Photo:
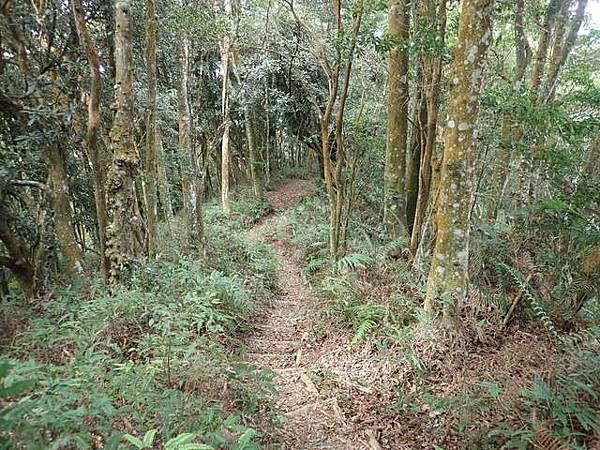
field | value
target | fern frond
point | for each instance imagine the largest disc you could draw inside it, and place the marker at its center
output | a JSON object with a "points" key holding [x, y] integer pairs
{"points": [[537, 304], [354, 261]]}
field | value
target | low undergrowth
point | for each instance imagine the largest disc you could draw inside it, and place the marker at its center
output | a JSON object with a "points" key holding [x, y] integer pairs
{"points": [[91, 367], [527, 381]]}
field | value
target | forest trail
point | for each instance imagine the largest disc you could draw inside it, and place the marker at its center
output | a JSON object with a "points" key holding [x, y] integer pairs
{"points": [[310, 419]]}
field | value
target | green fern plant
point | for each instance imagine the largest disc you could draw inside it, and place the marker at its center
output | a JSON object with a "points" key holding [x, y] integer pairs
{"points": [[354, 261], [180, 442], [536, 303]]}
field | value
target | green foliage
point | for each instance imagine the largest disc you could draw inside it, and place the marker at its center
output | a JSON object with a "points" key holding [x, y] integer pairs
{"points": [[181, 442], [151, 355]]}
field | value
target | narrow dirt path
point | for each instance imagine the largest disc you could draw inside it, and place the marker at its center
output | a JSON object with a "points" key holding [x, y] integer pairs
{"points": [[311, 420]]}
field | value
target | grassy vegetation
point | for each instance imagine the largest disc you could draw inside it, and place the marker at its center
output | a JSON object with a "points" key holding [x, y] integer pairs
{"points": [[533, 381], [91, 364]]}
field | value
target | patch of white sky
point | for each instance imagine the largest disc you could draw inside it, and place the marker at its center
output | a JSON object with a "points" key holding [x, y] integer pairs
{"points": [[593, 11]]}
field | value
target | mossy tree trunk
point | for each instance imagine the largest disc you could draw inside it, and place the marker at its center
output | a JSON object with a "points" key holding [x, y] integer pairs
{"points": [[394, 215], [125, 237], [60, 196], [95, 153], [150, 154], [448, 277]]}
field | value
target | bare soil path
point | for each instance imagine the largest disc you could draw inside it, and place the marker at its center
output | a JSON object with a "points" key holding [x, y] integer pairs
{"points": [[311, 419]]}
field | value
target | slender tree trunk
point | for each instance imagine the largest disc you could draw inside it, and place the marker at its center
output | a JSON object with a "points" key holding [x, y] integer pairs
{"points": [[511, 132], [537, 73], [164, 188], [394, 214], [95, 153], [414, 160], [562, 50], [334, 165], [225, 156], [448, 277], [433, 71], [192, 189], [125, 234], [255, 168], [150, 158]]}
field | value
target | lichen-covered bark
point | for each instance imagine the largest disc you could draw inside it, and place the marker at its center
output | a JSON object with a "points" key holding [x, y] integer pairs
{"points": [[150, 159], [95, 153], [448, 277], [60, 196], [124, 234], [397, 122], [591, 168]]}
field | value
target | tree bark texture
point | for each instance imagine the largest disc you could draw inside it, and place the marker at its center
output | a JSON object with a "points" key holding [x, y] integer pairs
{"points": [[125, 234], [394, 215], [448, 277]]}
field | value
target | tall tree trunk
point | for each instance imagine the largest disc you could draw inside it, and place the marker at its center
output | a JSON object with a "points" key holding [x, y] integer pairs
{"points": [[60, 196], [164, 188], [125, 234], [541, 54], [511, 131], [448, 277], [255, 168], [432, 67], [394, 214], [150, 158], [18, 261], [225, 156], [414, 155], [334, 165], [562, 50], [95, 153], [192, 187]]}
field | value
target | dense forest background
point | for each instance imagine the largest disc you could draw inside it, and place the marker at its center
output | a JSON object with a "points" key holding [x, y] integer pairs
{"points": [[299, 224]]}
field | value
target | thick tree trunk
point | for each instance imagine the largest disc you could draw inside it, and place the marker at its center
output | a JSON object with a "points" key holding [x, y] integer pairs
{"points": [[61, 204], [448, 277], [125, 234], [95, 153], [150, 158], [18, 260], [394, 214]]}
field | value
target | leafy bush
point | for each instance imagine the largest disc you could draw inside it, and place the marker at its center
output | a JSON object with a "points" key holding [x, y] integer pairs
{"points": [[153, 355]]}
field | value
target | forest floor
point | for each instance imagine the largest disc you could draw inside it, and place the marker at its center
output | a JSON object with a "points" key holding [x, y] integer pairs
{"points": [[283, 342]]}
